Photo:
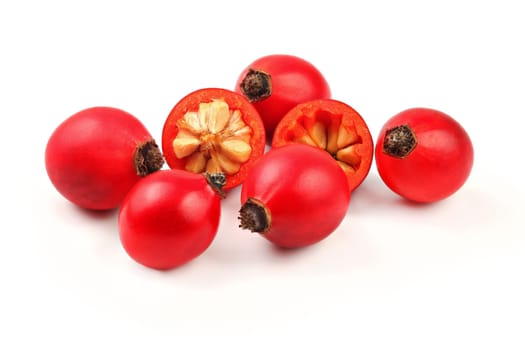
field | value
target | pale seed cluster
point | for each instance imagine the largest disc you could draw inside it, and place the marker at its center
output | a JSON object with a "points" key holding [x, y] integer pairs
{"points": [[213, 139]]}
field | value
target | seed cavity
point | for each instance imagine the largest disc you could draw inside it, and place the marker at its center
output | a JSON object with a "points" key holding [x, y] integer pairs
{"points": [[213, 139], [349, 155], [399, 141], [327, 131]]}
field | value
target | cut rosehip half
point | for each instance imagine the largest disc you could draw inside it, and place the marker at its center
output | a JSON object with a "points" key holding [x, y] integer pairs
{"points": [[214, 130], [335, 127]]}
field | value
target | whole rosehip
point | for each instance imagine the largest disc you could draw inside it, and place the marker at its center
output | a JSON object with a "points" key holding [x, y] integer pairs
{"points": [[424, 155], [277, 83], [295, 196], [95, 156]]}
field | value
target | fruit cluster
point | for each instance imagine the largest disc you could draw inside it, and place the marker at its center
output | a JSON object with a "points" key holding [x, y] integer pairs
{"points": [[214, 139]]}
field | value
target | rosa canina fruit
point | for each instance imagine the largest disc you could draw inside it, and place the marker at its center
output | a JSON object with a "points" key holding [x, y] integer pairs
{"points": [[424, 155], [332, 126], [95, 156], [214, 130], [276, 83], [170, 217], [295, 196]]}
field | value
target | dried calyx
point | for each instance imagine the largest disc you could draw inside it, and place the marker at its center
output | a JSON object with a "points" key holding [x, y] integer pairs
{"points": [[213, 139], [399, 141], [148, 158], [326, 131], [256, 85], [217, 182], [254, 216]]}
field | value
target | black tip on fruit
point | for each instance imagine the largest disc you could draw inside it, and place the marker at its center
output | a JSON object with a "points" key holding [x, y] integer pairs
{"points": [[217, 182], [256, 85], [148, 158], [254, 216], [399, 141]]}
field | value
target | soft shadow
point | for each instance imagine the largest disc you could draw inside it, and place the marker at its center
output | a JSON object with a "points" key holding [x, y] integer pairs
{"points": [[286, 253], [371, 194], [108, 214], [374, 195], [104, 221], [277, 255]]}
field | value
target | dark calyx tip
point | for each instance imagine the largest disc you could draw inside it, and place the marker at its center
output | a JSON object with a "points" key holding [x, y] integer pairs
{"points": [[399, 141], [217, 182], [148, 158], [256, 85], [254, 216]]}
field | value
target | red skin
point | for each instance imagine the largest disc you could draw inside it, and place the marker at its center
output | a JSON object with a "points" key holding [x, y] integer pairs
{"points": [[305, 192], [169, 218], [439, 164], [90, 156], [294, 81]]}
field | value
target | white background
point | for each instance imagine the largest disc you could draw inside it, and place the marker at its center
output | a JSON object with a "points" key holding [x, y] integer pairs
{"points": [[394, 275]]}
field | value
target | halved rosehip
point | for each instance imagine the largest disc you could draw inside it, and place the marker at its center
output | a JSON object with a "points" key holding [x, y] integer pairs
{"points": [[214, 130], [335, 127]]}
